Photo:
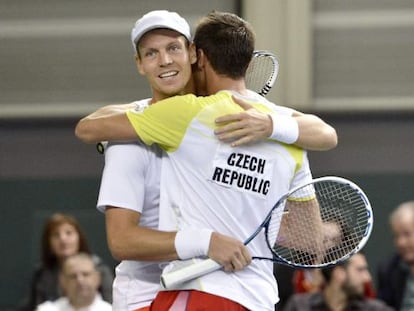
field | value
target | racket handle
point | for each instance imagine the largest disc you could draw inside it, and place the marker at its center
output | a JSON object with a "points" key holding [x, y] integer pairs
{"points": [[172, 279]]}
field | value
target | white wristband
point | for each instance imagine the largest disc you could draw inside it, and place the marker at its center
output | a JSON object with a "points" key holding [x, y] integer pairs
{"points": [[285, 128], [191, 243]]}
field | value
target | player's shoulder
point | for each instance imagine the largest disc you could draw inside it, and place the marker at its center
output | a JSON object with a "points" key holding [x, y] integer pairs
{"points": [[127, 148], [376, 305], [58, 304], [392, 263], [220, 95], [304, 301], [131, 154]]}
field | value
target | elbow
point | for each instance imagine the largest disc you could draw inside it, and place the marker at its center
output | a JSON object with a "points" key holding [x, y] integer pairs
{"points": [[117, 250], [332, 138], [117, 255], [83, 133]]}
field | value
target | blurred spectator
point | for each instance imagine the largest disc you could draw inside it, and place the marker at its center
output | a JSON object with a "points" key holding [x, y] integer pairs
{"points": [[396, 274], [299, 281], [344, 290], [312, 280], [308, 281], [79, 280], [62, 237]]}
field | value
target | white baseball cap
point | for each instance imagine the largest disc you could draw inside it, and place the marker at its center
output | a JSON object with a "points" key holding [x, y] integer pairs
{"points": [[159, 19]]}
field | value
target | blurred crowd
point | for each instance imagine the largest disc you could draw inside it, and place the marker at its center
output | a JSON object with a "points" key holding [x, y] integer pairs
{"points": [[349, 285]]}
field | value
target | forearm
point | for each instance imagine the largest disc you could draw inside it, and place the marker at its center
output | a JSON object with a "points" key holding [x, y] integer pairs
{"points": [[127, 241], [301, 227], [314, 133], [304, 130], [108, 123], [144, 244]]}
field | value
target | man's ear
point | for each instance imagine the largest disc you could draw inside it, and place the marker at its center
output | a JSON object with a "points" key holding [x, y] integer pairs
{"points": [[192, 53], [201, 59], [138, 63]]}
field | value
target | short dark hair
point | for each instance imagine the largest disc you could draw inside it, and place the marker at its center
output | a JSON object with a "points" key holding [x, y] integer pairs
{"points": [[327, 272], [227, 41]]}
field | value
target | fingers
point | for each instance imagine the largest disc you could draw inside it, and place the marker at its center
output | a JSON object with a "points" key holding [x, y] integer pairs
{"points": [[231, 253], [243, 128], [233, 126], [238, 262], [332, 235], [235, 135], [229, 118], [242, 103], [236, 116], [244, 140]]}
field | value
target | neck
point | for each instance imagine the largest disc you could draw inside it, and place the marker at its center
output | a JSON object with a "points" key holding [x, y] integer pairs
{"points": [[216, 82], [157, 96], [335, 298], [225, 83], [78, 304]]}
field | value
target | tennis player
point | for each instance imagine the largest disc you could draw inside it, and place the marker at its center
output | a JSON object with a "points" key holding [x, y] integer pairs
{"points": [[129, 193], [121, 166]]}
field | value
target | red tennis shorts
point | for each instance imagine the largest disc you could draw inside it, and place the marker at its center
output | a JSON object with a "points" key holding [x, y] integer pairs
{"points": [[193, 301]]}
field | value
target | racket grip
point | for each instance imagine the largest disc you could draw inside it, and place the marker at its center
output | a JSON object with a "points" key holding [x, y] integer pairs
{"points": [[172, 279]]}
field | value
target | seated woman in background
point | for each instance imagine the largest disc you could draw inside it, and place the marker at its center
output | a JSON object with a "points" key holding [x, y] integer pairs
{"points": [[62, 237]]}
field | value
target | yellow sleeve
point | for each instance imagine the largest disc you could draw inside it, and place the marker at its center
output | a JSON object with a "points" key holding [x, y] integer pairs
{"points": [[165, 122]]}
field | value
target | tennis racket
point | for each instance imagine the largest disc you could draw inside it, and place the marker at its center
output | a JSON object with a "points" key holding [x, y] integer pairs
{"points": [[262, 72], [260, 77], [318, 224]]}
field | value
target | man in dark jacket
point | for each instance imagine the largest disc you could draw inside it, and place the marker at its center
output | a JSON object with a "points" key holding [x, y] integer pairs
{"points": [[344, 290], [395, 275]]}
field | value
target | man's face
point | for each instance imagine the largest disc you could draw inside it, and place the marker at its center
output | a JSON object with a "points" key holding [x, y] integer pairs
{"points": [[165, 59], [403, 232], [80, 281], [357, 275]]}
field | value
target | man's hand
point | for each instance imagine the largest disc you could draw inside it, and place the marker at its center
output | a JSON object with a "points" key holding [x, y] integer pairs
{"points": [[332, 235], [109, 123], [244, 127], [232, 254], [253, 125]]}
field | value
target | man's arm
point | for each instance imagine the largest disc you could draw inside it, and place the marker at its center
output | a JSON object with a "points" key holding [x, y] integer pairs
{"points": [[314, 133], [253, 125], [109, 123], [302, 228], [128, 241]]}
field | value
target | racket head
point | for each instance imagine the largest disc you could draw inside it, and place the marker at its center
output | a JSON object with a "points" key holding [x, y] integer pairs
{"points": [[262, 72], [347, 222]]}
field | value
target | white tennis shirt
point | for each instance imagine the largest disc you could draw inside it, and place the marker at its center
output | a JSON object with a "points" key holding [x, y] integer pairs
{"points": [[62, 304], [131, 180], [208, 184]]}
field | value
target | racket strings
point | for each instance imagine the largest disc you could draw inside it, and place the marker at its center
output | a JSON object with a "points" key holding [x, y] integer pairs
{"points": [[343, 224], [261, 73]]}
